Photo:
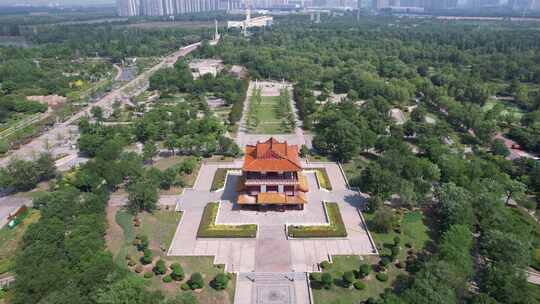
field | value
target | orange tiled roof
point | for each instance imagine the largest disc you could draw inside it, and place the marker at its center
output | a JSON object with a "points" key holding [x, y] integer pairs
{"points": [[272, 156]]}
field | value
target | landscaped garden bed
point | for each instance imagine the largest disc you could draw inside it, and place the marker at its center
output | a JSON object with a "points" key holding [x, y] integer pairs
{"points": [[220, 177], [141, 252], [336, 227], [209, 229], [324, 180]]}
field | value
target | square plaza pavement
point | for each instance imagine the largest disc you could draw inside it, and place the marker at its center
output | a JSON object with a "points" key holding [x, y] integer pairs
{"points": [[242, 255]]}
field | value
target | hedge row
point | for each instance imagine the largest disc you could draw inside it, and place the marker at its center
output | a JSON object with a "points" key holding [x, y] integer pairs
{"points": [[335, 229], [208, 228], [324, 180]]}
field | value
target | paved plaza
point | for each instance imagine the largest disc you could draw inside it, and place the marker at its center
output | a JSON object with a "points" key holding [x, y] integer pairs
{"points": [[271, 252]]}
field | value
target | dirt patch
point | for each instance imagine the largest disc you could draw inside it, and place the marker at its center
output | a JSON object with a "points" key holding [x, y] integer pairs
{"points": [[52, 101]]}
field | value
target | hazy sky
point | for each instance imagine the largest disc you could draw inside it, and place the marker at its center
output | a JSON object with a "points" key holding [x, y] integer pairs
{"points": [[45, 2]]}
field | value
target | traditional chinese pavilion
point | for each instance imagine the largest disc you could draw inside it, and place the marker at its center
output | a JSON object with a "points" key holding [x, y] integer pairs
{"points": [[272, 177]]}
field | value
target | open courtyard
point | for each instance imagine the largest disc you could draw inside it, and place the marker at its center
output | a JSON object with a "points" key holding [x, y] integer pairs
{"points": [[271, 252]]}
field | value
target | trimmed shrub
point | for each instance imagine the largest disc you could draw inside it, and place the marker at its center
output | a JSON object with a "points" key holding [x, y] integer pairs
{"points": [[141, 242], [395, 251], [326, 280], [348, 278], [185, 286], [396, 240], [177, 272], [196, 281], [381, 276], [364, 270], [315, 276], [147, 256], [138, 269], [385, 261], [221, 281], [167, 279], [359, 285], [325, 265], [148, 275], [160, 267]]}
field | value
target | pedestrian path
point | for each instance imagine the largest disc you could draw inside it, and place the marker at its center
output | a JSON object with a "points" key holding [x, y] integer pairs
{"points": [[272, 288]]}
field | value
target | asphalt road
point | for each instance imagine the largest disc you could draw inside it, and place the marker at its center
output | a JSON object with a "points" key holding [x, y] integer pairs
{"points": [[54, 139]]}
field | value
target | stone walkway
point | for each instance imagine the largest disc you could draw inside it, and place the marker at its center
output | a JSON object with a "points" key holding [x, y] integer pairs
{"points": [[243, 138]]}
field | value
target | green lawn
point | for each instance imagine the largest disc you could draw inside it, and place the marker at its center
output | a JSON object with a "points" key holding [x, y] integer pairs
{"points": [[340, 295], [335, 229], [268, 116], [508, 108], [160, 228], [413, 232], [209, 229], [10, 238]]}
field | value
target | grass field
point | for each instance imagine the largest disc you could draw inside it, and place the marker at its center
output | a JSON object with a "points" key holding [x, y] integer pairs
{"points": [[10, 238], [508, 108], [160, 228], [267, 115], [413, 232]]}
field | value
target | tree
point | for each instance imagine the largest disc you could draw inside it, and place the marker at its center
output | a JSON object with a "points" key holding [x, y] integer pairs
{"points": [[455, 206], [384, 220], [499, 148], [142, 195], [128, 290], [150, 150], [97, 113], [348, 278], [341, 140]]}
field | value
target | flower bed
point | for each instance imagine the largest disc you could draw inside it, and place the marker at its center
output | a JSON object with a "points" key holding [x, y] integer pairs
{"points": [[209, 229], [336, 227]]}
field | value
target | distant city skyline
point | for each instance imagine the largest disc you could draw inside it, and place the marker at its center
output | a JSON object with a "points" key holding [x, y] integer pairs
{"points": [[57, 2]]}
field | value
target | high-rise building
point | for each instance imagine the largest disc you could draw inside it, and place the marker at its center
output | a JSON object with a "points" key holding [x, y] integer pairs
{"points": [[171, 7], [128, 8]]}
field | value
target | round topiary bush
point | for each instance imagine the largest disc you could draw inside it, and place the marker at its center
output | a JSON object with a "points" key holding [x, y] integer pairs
{"points": [[147, 256], [396, 240], [381, 276], [160, 267], [325, 265], [385, 261], [315, 276], [395, 251], [364, 270], [348, 278], [185, 286], [177, 272], [148, 275], [167, 279], [359, 285], [196, 281], [138, 269], [220, 281], [326, 280]]}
